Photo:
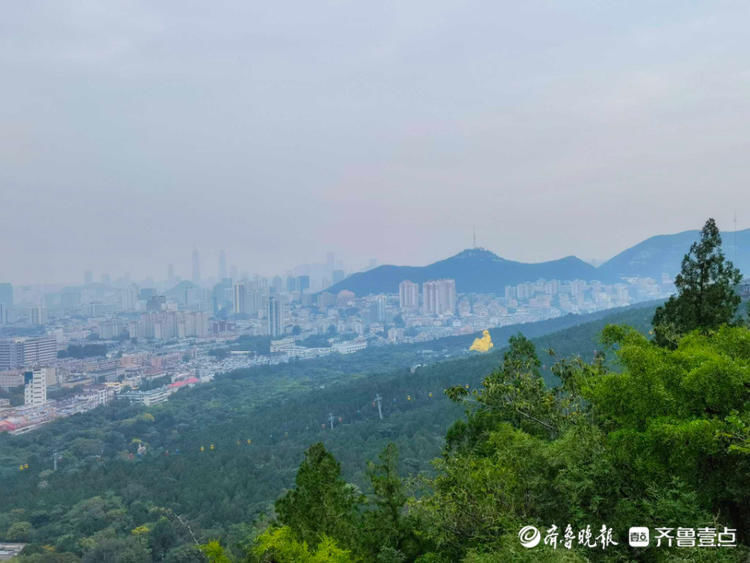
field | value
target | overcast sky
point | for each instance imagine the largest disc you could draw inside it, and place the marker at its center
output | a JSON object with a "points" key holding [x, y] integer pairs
{"points": [[131, 132]]}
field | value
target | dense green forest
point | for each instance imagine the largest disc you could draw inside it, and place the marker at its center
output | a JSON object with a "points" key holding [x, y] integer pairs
{"points": [[281, 410], [637, 418]]}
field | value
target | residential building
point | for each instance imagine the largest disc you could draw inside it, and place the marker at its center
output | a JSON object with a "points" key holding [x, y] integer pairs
{"points": [[274, 317], [408, 295], [35, 387], [439, 297]]}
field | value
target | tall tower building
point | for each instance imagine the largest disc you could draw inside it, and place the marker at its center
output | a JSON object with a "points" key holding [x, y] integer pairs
{"points": [[439, 297], [35, 387], [39, 315], [6, 295], [408, 295], [170, 274], [275, 327], [303, 283], [196, 267], [429, 298], [240, 298], [380, 303], [222, 265]]}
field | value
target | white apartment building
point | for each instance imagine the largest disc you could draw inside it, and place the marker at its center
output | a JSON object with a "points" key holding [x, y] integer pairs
{"points": [[35, 387]]}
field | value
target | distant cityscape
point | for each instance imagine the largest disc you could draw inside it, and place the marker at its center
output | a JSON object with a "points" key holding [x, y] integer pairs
{"points": [[71, 349]]}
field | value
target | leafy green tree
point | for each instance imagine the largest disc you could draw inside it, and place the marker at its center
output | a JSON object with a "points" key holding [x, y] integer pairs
{"points": [[321, 503], [388, 488], [45, 556], [706, 296], [188, 553], [162, 538], [388, 532], [515, 393], [19, 532], [279, 545], [117, 550], [662, 441]]}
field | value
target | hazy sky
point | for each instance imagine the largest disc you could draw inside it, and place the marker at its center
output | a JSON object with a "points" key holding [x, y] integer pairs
{"points": [[131, 132]]}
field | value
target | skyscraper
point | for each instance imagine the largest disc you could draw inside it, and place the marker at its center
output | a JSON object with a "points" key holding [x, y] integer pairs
{"points": [[222, 265], [275, 328], [240, 299], [196, 267], [291, 284], [380, 303], [6, 294], [408, 295], [39, 315], [303, 283], [170, 274]]}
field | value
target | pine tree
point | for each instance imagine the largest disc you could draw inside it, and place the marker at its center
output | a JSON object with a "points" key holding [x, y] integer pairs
{"points": [[706, 296], [322, 503]]}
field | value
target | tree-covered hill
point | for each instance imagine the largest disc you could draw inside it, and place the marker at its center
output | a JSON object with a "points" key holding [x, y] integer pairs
{"points": [[480, 270], [475, 270], [220, 454]]}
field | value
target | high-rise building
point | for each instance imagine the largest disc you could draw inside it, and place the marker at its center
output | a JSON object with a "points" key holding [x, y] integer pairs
{"points": [[88, 277], [3, 314], [303, 283], [196, 267], [408, 295], [291, 284], [222, 265], [170, 275], [439, 297], [380, 302], [239, 303], [39, 315], [275, 326], [6, 295], [35, 387]]}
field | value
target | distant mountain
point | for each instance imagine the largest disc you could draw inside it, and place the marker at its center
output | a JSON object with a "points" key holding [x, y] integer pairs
{"points": [[481, 271], [663, 254], [475, 270]]}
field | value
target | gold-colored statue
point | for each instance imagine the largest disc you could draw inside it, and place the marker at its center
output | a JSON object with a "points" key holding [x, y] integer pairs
{"points": [[483, 344]]}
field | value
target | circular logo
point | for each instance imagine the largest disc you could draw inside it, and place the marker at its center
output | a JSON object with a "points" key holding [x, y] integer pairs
{"points": [[529, 536]]}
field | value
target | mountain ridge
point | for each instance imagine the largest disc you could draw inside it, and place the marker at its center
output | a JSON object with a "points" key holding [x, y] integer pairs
{"points": [[478, 270]]}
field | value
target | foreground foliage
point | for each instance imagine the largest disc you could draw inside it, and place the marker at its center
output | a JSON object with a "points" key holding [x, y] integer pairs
{"points": [[660, 442]]}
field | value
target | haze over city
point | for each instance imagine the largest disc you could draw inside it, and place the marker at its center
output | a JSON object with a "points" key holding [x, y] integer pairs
{"points": [[390, 282], [132, 133]]}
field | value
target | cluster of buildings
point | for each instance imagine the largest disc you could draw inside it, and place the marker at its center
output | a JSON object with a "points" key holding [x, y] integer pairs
{"points": [[169, 331], [37, 409]]}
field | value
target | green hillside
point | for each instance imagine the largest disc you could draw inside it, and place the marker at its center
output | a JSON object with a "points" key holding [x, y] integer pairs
{"points": [[280, 409]]}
